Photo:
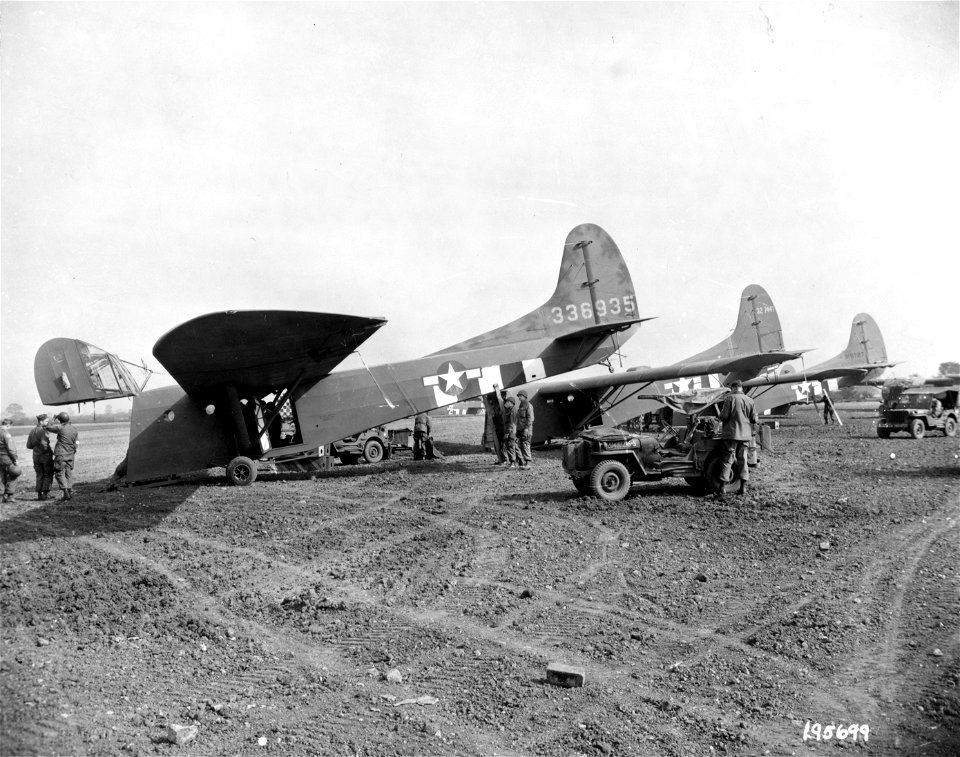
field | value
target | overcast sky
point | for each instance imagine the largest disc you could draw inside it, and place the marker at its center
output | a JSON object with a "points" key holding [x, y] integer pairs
{"points": [[425, 162]]}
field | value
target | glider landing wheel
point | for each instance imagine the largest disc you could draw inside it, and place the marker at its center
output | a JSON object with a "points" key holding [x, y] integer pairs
{"points": [[241, 471], [949, 427], [917, 427], [373, 451], [610, 480]]}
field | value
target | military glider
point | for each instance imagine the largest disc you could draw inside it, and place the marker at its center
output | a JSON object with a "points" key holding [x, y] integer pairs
{"points": [[863, 360], [260, 386], [564, 407]]}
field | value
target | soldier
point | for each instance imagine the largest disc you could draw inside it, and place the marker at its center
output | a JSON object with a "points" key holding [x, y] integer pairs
{"points": [[495, 403], [524, 430], [936, 408], [64, 453], [422, 439], [827, 409], [510, 431], [739, 416], [9, 470], [42, 456]]}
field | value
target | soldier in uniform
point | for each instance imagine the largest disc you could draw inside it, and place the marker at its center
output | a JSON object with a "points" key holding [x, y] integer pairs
{"points": [[495, 403], [64, 453], [42, 456], [510, 431], [422, 438], [827, 409], [524, 430], [9, 470], [738, 415]]}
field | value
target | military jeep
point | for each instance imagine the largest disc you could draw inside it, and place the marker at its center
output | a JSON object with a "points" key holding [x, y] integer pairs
{"points": [[910, 409], [605, 462]]}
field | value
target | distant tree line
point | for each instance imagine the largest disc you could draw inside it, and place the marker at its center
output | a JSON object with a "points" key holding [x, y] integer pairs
{"points": [[105, 414]]}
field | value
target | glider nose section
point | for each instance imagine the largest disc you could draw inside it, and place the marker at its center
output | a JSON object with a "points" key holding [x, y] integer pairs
{"points": [[69, 371]]}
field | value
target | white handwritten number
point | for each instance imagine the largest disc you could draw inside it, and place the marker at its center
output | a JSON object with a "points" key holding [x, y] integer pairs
{"points": [[586, 311], [601, 308], [819, 732], [571, 312], [615, 306], [557, 314]]}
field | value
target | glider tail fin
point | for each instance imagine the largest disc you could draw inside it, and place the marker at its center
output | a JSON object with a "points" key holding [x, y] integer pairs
{"points": [[866, 342], [594, 297], [866, 347], [758, 325], [757, 329]]}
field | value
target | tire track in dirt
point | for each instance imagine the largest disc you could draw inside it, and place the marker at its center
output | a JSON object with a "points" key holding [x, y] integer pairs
{"points": [[902, 553], [283, 643]]}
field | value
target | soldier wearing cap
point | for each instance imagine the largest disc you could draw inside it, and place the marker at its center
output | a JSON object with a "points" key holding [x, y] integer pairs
{"points": [[9, 470], [64, 453], [739, 416], [510, 430], [524, 430], [38, 441]]}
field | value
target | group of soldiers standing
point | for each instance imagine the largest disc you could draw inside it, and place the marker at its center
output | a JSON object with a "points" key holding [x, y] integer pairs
{"points": [[49, 461], [513, 426]]}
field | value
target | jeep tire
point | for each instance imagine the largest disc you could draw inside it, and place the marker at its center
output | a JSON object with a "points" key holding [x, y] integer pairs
{"points": [[949, 427], [373, 451], [610, 480], [917, 428]]}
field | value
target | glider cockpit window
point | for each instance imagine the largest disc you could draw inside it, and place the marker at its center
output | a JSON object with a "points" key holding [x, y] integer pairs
{"points": [[105, 372]]}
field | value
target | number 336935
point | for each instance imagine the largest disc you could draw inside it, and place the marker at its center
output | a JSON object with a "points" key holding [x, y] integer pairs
{"points": [[584, 311]]}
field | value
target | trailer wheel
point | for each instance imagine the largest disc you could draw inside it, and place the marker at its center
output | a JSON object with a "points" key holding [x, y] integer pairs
{"points": [[610, 480], [883, 433], [241, 471], [582, 483], [917, 428], [373, 451], [949, 427]]}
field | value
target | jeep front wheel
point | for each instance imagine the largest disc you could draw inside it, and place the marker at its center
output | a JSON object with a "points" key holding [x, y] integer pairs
{"points": [[949, 427], [373, 451], [610, 480], [917, 428]]}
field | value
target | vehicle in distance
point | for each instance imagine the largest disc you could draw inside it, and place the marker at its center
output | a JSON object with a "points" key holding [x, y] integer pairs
{"points": [[911, 409]]}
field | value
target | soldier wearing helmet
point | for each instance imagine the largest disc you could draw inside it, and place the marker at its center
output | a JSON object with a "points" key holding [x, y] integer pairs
{"points": [[510, 431], [64, 453], [42, 456], [9, 470]]}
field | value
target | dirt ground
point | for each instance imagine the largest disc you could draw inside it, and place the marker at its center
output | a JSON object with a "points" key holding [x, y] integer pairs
{"points": [[413, 608]]}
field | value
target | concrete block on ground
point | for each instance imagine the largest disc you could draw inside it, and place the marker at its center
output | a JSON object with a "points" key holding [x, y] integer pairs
{"points": [[568, 676]]}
